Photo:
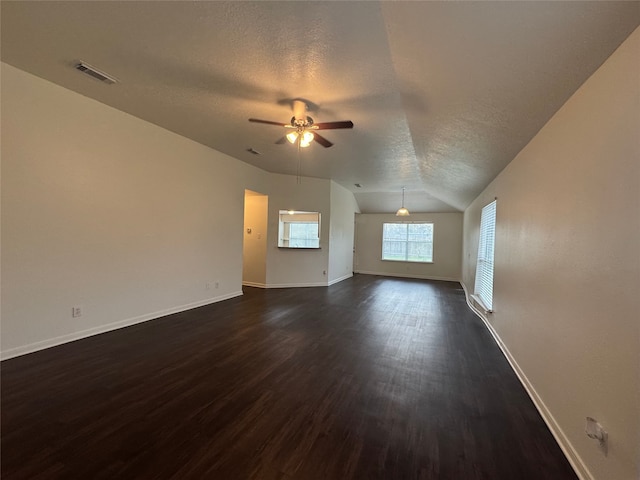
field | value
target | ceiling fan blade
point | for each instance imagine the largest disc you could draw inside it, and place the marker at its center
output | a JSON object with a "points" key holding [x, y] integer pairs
{"points": [[321, 140], [281, 140], [268, 122], [334, 125]]}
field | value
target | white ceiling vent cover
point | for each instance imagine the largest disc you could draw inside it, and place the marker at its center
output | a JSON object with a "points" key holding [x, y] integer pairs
{"points": [[95, 73]]}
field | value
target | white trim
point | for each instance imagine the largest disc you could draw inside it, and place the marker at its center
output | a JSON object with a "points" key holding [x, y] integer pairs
{"points": [[430, 262], [52, 342], [295, 285], [478, 300], [254, 284], [570, 453], [344, 277], [404, 275]]}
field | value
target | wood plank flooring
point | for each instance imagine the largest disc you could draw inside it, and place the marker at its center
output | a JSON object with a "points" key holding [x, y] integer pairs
{"points": [[371, 378]]}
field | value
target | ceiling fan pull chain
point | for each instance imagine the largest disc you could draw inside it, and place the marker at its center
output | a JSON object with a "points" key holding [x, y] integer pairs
{"points": [[298, 173]]}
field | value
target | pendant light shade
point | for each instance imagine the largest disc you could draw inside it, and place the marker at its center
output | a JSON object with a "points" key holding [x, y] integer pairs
{"points": [[402, 211], [306, 138]]}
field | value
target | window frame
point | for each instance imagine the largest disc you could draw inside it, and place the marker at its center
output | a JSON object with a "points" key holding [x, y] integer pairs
{"points": [[485, 262], [407, 242], [298, 217]]}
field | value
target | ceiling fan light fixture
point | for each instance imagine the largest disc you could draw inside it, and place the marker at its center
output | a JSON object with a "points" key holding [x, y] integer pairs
{"points": [[306, 138], [402, 211], [302, 124]]}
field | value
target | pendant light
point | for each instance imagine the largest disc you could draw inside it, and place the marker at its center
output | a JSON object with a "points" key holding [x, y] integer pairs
{"points": [[402, 211]]}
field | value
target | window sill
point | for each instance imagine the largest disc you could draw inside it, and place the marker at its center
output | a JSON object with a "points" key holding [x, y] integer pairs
{"points": [[406, 261], [481, 304]]}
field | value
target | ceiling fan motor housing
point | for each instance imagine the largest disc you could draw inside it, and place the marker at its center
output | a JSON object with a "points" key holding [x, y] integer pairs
{"points": [[301, 123]]}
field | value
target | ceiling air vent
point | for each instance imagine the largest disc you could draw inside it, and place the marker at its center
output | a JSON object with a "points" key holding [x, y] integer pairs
{"points": [[95, 73]]}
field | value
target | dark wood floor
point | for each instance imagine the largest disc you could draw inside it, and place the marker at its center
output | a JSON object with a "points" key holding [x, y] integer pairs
{"points": [[372, 378]]}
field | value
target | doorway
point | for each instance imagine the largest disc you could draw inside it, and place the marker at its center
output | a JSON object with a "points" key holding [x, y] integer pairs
{"points": [[254, 245]]}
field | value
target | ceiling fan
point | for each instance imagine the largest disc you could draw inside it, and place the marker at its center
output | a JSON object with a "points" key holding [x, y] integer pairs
{"points": [[303, 128]]}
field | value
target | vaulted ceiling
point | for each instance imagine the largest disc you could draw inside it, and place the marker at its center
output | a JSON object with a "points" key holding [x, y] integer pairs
{"points": [[443, 95]]}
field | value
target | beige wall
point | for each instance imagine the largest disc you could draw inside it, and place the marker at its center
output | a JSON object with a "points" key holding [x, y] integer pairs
{"points": [[447, 247], [107, 212], [341, 233], [129, 221], [254, 247], [567, 277], [302, 267], [298, 267]]}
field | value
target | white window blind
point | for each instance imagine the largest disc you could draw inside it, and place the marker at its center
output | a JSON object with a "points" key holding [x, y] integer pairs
{"points": [[484, 268]]}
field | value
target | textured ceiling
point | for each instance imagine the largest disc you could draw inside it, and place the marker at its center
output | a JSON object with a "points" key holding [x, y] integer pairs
{"points": [[443, 95]]}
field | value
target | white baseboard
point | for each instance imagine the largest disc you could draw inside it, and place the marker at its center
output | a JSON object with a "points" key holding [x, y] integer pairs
{"points": [[402, 275], [254, 284], [574, 459], [296, 285], [337, 280], [52, 342]]}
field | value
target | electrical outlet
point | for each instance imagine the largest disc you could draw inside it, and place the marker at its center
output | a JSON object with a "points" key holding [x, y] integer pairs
{"points": [[217, 284], [76, 312], [207, 286]]}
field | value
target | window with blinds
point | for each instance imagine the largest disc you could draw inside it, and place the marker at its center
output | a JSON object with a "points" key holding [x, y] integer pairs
{"points": [[407, 242], [484, 268]]}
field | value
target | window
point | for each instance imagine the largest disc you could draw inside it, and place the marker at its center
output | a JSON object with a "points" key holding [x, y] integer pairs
{"points": [[407, 242], [298, 229], [484, 268], [303, 235]]}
